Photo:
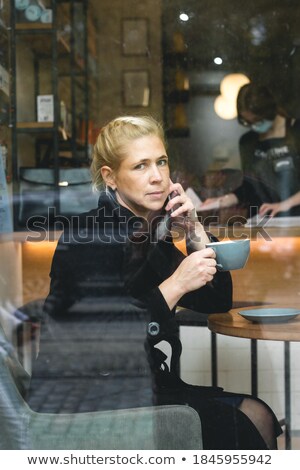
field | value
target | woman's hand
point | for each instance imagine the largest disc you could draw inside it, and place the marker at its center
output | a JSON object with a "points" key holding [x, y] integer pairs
{"points": [[282, 206], [194, 272], [272, 209], [185, 220], [221, 202], [185, 208]]}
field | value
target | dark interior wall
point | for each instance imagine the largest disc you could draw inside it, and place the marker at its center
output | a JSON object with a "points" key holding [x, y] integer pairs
{"points": [[260, 39]]}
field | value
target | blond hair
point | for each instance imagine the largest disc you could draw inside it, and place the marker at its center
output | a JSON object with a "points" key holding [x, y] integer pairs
{"points": [[112, 139]]}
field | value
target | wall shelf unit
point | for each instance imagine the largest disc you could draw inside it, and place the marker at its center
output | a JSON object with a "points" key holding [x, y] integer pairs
{"points": [[50, 60]]}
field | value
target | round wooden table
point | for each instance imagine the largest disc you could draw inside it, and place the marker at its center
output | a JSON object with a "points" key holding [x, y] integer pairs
{"points": [[233, 324]]}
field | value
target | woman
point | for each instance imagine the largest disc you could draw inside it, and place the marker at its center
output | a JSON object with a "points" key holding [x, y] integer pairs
{"points": [[270, 156], [125, 240]]}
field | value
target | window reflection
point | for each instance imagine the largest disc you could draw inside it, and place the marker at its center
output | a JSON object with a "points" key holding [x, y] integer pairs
{"points": [[187, 48]]}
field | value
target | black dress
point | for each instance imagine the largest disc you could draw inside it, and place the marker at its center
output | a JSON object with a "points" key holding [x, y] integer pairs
{"points": [[104, 317]]}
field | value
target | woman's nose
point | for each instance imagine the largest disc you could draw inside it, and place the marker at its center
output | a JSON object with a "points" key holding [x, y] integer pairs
{"points": [[155, 174]]}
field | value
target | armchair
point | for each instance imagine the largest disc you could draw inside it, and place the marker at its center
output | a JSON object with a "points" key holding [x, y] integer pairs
{"points": [[161, 427]]}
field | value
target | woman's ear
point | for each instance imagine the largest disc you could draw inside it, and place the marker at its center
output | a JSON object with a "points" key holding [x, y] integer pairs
{"points": [[108, 177]]}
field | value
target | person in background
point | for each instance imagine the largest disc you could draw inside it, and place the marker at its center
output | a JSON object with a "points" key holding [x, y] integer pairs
{"points": [[270, 156], [148, 274]]}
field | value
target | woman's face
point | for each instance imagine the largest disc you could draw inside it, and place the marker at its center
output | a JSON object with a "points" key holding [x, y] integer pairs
{"points": [[249, 117], [143, 178], [257, 124]]}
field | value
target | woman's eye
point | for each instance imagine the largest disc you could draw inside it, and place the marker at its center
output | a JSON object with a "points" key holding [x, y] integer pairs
{"points": [[140, 166], [162, 162]]}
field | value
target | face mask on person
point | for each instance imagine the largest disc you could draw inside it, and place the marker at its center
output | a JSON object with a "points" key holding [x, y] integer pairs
{"points": [[262, 126]]}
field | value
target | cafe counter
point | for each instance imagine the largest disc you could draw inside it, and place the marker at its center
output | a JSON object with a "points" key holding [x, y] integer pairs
{"points": [[271, 275]]}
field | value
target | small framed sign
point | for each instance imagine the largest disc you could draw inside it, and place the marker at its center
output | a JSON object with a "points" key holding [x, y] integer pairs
{"points": [[135, 36], [45, 108], [136, 88]]}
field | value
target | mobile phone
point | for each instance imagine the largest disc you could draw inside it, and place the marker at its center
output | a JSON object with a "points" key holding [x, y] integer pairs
{"points": [[168, 219], [164, 226]]}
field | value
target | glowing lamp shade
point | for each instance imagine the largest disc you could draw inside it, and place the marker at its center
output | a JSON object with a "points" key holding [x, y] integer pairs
{"points": [[225, 103], [225, 109], [231, 84]]}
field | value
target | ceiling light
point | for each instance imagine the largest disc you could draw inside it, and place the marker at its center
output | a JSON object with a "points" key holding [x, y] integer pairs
{"points": [[218, 60], [184, 17]]}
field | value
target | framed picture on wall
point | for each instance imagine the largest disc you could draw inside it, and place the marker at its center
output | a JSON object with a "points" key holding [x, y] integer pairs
{"points": [[135, 36], [136, 88]]}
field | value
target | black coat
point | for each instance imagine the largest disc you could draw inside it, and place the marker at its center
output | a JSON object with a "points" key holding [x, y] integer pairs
{"points": [[103, 296]]}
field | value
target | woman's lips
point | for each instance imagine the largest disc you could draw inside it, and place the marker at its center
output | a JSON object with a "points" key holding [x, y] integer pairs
{"points": [[156, 194]]}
